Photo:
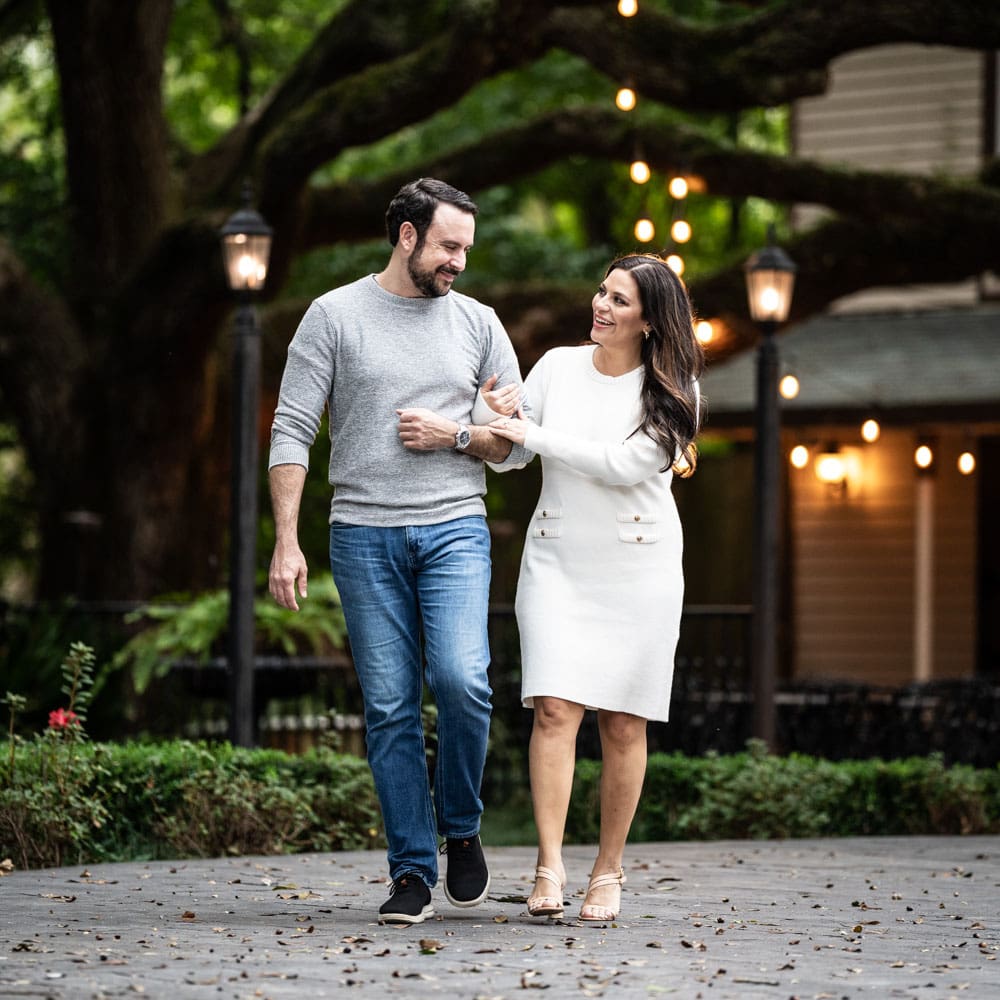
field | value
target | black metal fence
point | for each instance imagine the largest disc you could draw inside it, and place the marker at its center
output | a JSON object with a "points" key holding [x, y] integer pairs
{"points": [[300, 698]]}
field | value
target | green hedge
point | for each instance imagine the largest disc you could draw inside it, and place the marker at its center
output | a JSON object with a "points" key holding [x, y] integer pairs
{"points": [[77, 803], [758, 795], [64, 801]]}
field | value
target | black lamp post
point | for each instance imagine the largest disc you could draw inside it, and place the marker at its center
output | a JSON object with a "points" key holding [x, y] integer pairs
{"points": [[770, 276], [246, 247]]}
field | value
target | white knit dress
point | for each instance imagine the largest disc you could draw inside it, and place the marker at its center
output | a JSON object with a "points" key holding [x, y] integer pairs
{"points": [[601, 585]]}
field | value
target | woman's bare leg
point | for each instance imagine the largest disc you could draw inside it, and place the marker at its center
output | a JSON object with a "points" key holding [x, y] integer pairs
{"points": [[623, 749], [551, 759]]}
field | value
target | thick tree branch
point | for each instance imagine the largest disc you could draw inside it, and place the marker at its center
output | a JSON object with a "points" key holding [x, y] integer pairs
{"points": [[362, 34], [768, 58]]}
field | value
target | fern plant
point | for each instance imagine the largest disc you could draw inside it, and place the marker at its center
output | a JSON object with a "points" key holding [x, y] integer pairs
{"points": [[194, 629]]}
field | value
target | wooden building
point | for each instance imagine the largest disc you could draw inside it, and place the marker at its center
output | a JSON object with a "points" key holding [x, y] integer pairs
{"points": [[891, 572]]}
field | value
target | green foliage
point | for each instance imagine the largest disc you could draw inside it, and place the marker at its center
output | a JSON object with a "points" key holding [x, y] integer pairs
{"points": [[66, 800], [54, 789], [194, 629], [181, 799], [757, 795]]}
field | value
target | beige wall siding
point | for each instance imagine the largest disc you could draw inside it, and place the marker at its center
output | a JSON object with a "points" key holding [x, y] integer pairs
{"points": [[913, 108], [852, 565]]}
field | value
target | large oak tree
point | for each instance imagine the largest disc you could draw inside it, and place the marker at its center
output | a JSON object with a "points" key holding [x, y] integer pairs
{"points": [[110, 359]]}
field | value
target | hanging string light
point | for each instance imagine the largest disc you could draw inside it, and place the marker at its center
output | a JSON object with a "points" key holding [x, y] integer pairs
{"points": [[680, 231], [678, 188], [966, 463], [639, 171], [628, 8], [644, 230], [625, 99], [676, 263], [789, 386]]}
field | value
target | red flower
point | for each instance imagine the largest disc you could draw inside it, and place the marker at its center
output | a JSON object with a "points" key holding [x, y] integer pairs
{"points": [[63, 718]]}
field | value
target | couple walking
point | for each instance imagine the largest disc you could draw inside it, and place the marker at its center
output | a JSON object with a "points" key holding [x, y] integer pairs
{"points": [[423, 387]]}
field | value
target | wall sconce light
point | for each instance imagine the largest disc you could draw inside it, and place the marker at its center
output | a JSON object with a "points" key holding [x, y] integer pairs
{"points": [[799, 456], [831, 467], [967, 463], [923, 457], [870, 430]]}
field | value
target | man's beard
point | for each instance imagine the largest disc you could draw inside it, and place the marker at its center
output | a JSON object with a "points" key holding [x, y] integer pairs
{"points": [[425, 281]]}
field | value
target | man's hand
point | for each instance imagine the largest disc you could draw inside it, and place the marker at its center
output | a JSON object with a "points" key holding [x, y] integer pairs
{"points": [[288, 568], [424, 430]]}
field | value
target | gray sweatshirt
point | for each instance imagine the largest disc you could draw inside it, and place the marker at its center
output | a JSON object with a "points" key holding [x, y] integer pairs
{"points": [[365, 353]]}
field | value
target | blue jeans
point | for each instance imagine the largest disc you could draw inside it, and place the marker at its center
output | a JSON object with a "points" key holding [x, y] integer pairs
{"points": [[412, 594]]}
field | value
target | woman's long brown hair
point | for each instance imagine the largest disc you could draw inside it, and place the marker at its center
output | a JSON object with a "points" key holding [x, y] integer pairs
{"points": [[673, 359]]}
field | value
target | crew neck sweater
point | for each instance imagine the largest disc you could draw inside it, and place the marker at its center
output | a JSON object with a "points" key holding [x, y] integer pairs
{"points": [[365, 353]]}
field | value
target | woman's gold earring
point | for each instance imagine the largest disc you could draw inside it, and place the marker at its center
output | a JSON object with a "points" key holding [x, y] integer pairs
{"points": [[645, 334]]}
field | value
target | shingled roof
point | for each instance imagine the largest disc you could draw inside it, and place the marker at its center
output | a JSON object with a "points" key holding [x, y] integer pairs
{"points": [[908, 366]]}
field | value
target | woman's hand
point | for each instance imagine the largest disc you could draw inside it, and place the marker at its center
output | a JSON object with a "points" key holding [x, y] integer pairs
{"points": [[506, 401], [510, 428]]}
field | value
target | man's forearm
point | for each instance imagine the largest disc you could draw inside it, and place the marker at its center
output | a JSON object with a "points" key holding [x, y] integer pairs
{"points": [[286, 482], [487, 446]]}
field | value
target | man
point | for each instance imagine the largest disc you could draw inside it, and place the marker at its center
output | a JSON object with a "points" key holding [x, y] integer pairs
{"points": [[398, 358]]}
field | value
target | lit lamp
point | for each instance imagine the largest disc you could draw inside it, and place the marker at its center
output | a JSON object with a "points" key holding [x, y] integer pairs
{"points": [[870, 430], [788, 386], [830, 467], [246, 248], [644, 230], [770, 279]]}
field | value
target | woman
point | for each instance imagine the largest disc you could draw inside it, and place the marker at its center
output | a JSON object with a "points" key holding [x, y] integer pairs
{"points": [[600, 589]]}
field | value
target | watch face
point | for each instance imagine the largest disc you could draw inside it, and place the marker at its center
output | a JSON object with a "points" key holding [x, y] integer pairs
{"points": [[462, 438]]}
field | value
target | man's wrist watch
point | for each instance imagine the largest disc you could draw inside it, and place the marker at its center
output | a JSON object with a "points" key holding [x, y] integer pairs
{"points": [[463, 437]]}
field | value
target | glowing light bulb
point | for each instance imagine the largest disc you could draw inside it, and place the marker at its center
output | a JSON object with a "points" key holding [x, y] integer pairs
{"points": [[681, 231], [676, 264], [789, 387], [966, 463], [923, 456], [678, 188], [799, 456], [644, 230], [769, 300], [639, 171], [830, 467], [871, 431], [628, 8], [704, 331], [625, 99]]}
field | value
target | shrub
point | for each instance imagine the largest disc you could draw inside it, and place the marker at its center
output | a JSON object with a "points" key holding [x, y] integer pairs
{"points": [[66, 800], [759, 795]]}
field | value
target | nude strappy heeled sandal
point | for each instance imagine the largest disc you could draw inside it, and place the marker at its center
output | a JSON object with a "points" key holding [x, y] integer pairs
{"points": [[593, 913], [547, 906]]}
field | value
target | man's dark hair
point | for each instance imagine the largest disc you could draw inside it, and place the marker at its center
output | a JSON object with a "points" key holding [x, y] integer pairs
{"points": [[416, 203]]}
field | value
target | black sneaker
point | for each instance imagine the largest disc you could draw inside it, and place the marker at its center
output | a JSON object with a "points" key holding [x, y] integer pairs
{"points": [[468, 878], [409, 902]]}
